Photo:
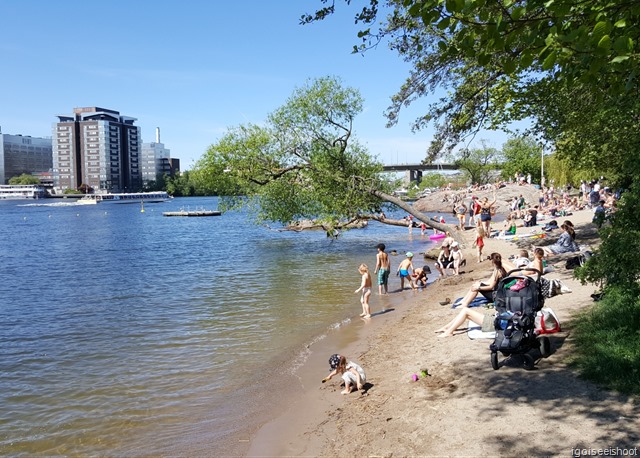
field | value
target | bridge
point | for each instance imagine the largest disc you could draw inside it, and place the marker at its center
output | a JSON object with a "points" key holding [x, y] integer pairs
{"points": [[415, 170]]}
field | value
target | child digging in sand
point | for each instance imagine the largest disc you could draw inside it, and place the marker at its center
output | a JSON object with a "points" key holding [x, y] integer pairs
{"points": [[405, 269], [352, 374], [365, 288]]}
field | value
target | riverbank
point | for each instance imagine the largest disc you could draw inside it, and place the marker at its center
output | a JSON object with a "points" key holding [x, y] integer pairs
{"points": [[463, 407]]}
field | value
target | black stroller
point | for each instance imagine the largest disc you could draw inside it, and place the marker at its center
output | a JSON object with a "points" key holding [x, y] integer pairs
{"points": [[517, 300]]}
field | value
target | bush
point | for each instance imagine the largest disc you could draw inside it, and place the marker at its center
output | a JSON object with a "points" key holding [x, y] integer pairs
{"points": [[608, 341]]}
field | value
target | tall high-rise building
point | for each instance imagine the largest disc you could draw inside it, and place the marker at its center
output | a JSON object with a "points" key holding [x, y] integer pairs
{"points": [[98, 148], [155, 160], [23, 154]]}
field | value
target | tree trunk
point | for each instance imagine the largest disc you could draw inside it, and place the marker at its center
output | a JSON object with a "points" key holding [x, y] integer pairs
{"points": [[419, 215]]}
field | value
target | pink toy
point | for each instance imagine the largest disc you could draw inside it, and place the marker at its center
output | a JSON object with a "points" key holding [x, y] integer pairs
{"points": [[414, 377]]}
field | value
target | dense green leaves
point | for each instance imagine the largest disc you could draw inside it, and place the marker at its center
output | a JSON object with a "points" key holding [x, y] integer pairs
{"points": [[25, 178], [303, 163]]}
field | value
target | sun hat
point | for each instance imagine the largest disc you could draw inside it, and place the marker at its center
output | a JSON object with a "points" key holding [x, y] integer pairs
{"points": [[409, 254], [454, 244]]}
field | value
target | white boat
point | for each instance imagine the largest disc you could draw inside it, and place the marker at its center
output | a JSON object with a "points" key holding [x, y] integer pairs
{"points": [[126, 198], [22, 191]]}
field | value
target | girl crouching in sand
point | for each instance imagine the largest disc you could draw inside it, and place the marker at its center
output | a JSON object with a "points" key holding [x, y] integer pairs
{"points": [[365, 288], [352, 374]]}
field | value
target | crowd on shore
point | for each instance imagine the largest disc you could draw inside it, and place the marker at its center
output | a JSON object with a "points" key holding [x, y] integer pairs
{"points": [[475, 225]]}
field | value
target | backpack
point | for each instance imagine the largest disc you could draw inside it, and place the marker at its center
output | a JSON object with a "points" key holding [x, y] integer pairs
{"points": [[576, 261]]}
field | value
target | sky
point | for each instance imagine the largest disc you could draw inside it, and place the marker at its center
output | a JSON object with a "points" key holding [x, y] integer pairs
{"points": [[193, 69]]}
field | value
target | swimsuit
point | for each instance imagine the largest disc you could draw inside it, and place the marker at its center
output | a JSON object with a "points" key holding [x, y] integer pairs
{"points": [[383, 276], [404, 273]]}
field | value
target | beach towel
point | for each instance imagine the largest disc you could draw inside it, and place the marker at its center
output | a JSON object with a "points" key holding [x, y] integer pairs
{"points": [[474, 331], [477, 302]]}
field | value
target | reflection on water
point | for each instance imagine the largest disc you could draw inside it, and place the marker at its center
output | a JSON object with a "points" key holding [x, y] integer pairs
{"points": [[126, 332]]}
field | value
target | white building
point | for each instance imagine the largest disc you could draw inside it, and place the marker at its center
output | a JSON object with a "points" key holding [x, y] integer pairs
{"points": [[155, 160], [23, 154]]}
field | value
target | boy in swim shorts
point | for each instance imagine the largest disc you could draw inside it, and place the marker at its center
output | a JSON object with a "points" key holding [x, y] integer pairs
{"points": [[405, 269], [383, 268]]}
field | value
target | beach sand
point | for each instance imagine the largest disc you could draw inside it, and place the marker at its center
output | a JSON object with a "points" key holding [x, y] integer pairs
{"points": [[463, 407]]}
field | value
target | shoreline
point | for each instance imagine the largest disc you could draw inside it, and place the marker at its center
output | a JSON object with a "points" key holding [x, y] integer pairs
{"points": [[463, 406]]}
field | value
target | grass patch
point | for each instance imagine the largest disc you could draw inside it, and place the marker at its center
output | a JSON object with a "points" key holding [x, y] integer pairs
{"points": [[608, 341]]}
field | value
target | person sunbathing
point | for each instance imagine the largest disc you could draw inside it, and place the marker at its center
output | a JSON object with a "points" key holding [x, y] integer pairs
{"points": [[486, 289], [479, 317]]}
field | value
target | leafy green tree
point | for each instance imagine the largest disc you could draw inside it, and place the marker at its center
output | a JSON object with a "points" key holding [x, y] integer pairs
{"points": [[521, 155], [303, 163], [180, 185], [477, 163], [555, 63], [25, 178]]}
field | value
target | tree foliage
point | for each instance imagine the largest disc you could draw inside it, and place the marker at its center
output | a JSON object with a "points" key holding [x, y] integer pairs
{"points": [[303, 163], [521, 155], [25, 178], [569, 68], [553, 62], [477, 163]]}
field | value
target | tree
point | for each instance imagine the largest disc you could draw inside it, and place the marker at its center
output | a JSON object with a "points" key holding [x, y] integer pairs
{"points": [[303, 163], [521, 155], [477, 163], [25, 178], [541, 60]]}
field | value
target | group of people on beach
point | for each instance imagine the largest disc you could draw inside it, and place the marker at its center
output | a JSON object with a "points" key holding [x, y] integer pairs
{"points": [[449, 261]]}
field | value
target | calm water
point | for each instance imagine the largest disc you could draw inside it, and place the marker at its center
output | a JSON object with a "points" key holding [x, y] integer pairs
{"points": [[125, 332]]}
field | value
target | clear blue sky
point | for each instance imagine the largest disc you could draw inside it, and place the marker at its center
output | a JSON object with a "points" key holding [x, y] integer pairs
{"points": [[192, 68]]}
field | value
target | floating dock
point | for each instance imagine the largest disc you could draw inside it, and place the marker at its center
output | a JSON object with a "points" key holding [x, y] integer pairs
{"points": [[193, 213]]}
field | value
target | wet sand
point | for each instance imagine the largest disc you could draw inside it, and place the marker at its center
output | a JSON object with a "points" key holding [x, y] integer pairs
{"points": [[463, 407]]}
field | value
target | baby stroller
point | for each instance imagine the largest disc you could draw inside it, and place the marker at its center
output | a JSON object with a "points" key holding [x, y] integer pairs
{"points": [[517, 300]]}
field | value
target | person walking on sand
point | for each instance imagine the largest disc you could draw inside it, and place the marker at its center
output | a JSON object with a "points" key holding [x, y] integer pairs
{"points": [[365, 290], [479, 242], [457, 256], [383, 268], [351, 373], [461, 212], [405, 269]]}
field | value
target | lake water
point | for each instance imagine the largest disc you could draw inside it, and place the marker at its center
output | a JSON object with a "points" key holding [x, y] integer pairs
{"points": [[129, 333]]}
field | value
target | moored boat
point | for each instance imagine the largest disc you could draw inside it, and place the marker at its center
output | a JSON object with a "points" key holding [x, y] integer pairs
{"points": [[22, 191], [127, 198]]}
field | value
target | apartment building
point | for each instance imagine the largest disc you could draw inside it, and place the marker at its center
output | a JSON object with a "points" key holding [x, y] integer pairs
{"points": [[98, 148], [23, 154]]}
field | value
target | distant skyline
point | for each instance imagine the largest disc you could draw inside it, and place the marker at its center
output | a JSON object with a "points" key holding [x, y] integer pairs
{"points": [[193, 69]]}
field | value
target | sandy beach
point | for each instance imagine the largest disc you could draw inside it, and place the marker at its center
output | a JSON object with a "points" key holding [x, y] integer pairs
{"points": [[463, 407]]}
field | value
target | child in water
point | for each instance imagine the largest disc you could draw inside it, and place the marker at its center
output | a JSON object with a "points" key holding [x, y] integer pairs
{"points": [[383, 268], [365, 288], [351, 373], [404, 271]]}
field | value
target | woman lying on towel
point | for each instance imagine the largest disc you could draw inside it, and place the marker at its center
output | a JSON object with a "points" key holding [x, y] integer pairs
{"points": [[482, 317]]}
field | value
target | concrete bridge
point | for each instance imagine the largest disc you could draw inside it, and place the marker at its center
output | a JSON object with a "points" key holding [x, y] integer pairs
{"points": [[415, 170]]}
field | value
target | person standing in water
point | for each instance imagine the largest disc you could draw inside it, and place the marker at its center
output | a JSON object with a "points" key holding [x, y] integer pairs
{"points": [[405, 269], [365, 290], [383, 268]]}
